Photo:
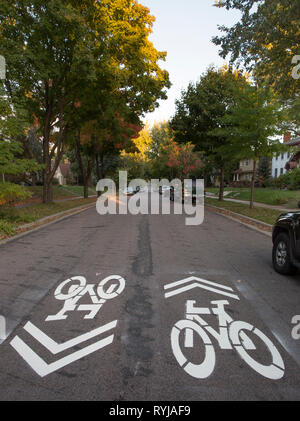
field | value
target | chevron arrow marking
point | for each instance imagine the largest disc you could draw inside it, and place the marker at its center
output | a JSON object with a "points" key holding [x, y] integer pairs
{"points": [[54, 347], [194, 282], [40, 366]]}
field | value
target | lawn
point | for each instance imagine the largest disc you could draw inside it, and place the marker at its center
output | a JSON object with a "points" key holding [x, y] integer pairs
{"points": [[266, 215], [11, 218], [289, 198], [61, 192]]}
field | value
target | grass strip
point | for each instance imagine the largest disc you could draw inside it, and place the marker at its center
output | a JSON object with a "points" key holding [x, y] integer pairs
{"points": [[11, 218], [266, 215]]}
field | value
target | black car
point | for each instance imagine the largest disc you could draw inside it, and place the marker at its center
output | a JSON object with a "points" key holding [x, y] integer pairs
{"points": [[286, 243]]}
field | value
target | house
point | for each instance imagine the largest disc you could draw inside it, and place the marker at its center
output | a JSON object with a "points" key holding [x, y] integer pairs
{"points": [[294, 160], [280, 164], [244, 173], [64, 174], [280, 161]]}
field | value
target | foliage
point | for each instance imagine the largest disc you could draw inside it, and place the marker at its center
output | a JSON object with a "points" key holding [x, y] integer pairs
{"points": [[290, 180], [184, 161], [250, 125], [10, 193], [266, 38], [62, 56], [10, 161], [201, 111]]}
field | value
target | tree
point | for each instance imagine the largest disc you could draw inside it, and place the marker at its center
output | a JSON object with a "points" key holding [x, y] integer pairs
{"points": [[93, 141], [250, 126], [266, 40], [13, 127], [162, 144], [61, 52], [137, 163], [200, 112], [263, 170], [185, 161]]}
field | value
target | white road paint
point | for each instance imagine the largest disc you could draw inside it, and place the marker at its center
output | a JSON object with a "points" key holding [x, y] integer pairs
{"points": [[71, 296], [2, 329], [194, 282], [231, 335], [42, 368], [76, 292], [54, 347]]}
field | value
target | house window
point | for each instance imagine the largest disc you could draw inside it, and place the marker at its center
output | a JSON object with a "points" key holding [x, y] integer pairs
{"points": [[281, 171], [276, 172], [282, 156]]}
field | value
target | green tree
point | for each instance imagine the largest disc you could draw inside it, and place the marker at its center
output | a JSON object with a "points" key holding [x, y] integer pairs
{"points": [[250, 126], [263, 170], [201, 111], [60, 52], [266, 40]]}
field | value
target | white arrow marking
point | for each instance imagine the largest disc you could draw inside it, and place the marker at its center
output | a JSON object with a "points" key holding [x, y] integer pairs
{"points": [[54, 347], [198, 283], [42, 368]]}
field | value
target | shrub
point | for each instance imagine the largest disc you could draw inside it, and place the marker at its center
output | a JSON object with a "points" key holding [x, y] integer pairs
{"points": [[6, 228], [55, 181], [242, 183], [270, 182], [11, 193], [294, 179]]}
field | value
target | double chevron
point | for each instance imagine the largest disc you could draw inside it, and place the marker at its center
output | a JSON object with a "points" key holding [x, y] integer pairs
{"points": [[40, 366], [192, 282]]}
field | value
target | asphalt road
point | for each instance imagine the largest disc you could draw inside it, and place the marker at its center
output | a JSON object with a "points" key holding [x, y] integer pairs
{"points": [[140, 352]]}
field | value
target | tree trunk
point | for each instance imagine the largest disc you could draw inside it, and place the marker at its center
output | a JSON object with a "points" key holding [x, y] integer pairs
{"points": [[47, 192], [100, 166], [221, 190], [252, 185], [86, 188], [98, 172]]}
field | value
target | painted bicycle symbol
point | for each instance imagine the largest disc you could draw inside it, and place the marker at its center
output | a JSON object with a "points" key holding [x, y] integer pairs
{"points": [[231, 335], [75, 292]]}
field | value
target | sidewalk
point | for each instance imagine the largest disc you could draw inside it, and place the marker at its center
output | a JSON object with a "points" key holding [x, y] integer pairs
{"points": [[258, 204]]}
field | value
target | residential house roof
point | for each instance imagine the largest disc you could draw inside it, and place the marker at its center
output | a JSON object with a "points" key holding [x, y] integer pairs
{"points": [[293, 142]]}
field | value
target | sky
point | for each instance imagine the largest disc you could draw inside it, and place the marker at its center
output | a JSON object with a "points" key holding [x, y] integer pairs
{"points": [[184, 29]]}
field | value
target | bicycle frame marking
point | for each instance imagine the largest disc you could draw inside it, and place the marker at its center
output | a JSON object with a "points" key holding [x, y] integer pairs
{"points": [[76, 292], [231, 335], [71, 298]]}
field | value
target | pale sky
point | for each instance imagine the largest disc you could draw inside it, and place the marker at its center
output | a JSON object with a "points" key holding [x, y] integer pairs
{"points": [[184, 28]]}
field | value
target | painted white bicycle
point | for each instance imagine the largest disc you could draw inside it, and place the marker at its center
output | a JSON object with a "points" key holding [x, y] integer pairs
{"points": [[231, 335]]}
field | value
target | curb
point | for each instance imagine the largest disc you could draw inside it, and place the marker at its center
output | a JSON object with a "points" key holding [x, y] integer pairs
{"points": [[44, 222], [259, 226]]}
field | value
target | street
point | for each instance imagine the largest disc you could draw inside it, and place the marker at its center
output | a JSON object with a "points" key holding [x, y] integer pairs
{"points": [[124, 346]]}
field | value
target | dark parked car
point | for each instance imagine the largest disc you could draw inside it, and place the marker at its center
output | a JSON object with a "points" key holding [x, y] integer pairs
{"points": [[286, 243], [185, 194]]}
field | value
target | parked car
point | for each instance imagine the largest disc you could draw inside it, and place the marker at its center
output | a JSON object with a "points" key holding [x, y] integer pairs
{"points": [[163, 189], [128, 191], [185, 194], [286, 243]]}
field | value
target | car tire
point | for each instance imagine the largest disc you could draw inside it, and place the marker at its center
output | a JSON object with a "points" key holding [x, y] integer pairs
{"points": [[281, 255]]}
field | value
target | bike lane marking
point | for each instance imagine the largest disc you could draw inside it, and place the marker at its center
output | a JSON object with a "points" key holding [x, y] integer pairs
{"points": [[194, 282], [231, 333], [71, 300]]}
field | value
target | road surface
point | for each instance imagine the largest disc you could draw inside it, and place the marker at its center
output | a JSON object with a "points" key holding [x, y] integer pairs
{"points": [[125, 340]]}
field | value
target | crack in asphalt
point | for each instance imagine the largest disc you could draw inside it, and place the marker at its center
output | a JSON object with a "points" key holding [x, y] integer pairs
{"points": [[139, 312]]}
